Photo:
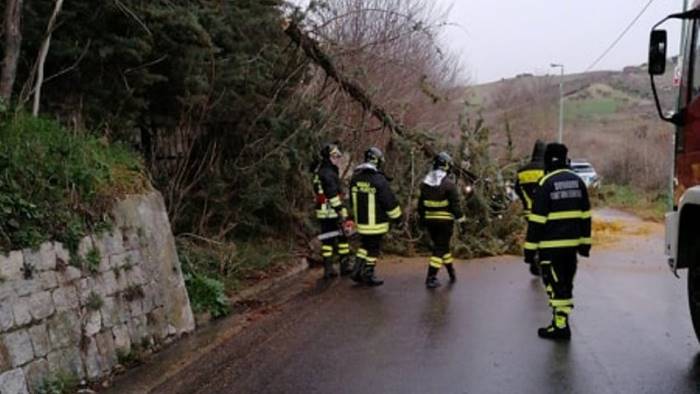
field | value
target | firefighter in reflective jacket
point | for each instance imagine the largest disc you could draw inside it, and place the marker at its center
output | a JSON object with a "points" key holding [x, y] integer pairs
{"points": [[374, 205], [559, 227], [438, 208], [331, 212], [527, 182]]}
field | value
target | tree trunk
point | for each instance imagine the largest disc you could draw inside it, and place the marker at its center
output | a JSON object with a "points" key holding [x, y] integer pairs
{"points": [[13, 43], [43, 52]]}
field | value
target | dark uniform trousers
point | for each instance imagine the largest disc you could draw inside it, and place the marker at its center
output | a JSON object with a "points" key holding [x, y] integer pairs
{"points": [[440, 233], [371, 246], [338, 245], [558, 277]]}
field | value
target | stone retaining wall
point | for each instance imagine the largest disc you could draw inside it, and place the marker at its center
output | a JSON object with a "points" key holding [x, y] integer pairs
{"points": [[123, 293]]}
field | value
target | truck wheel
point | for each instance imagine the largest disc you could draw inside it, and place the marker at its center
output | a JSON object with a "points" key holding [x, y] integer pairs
{"points": [[694, 296]]}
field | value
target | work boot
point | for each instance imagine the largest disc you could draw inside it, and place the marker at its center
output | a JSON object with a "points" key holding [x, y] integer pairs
{"points": [[451, 272], [328, 270], [558, 329], [369, 278], [357, 270], [345, 268], [535, 269], [431, 280]]}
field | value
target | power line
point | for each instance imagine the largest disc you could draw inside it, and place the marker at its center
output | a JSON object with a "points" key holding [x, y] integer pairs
{"points": [[620, 36]]}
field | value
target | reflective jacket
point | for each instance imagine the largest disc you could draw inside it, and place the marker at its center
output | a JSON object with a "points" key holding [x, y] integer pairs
{"points": [[329, 204], [527, 183], [439, 198], [373, 202], [561, 216]]}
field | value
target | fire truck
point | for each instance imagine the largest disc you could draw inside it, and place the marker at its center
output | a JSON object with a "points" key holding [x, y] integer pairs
{"points": [[682, 244]]}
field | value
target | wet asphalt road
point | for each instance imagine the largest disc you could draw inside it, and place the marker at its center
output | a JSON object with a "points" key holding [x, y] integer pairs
{"points": [[631, 334]]}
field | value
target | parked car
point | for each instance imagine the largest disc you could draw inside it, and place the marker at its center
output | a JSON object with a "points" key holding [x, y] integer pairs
{"points": [[585, 170]]}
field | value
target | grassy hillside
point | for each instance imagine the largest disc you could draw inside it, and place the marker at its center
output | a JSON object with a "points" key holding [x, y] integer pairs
{"points": [[610, 119]]}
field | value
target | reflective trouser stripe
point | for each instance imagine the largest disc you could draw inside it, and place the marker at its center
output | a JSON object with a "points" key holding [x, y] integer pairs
{"points": [[373, 228], [343, 248], [435, 262], [439, 215], [394, 213], [371, 260], [326, 214], [447, 259], [335, 201], [361, 253], [327, 250]]}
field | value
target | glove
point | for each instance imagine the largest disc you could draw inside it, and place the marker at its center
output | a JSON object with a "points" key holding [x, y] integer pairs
{"points": [[530, 256], [584, 250]]}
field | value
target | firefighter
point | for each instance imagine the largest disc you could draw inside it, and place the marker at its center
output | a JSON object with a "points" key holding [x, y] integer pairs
{"points": [[559, 227], [331, 212], [374, 205], [438, 208], [526, 185]]}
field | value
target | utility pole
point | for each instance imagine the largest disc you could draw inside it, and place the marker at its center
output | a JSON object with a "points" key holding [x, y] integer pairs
{"points": [[561, 100]]}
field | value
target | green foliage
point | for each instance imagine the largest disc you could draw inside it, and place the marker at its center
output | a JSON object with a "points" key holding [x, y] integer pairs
{"points": [[59, 383], [94, 301], [647, 205], [92, 260], [56, 184], [589, 108], [207, 295], [130, 359]]}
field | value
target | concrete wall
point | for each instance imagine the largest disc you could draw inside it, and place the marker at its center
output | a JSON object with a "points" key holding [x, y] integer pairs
{"points": [[126, 291]]}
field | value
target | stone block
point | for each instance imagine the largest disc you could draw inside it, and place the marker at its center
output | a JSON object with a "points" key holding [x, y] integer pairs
{"points": [[41, 305], [11, 266], [19, 347], [13, 382], [138, 329], [156, 323], [86, 244], [108, 353], [130, 238], [136, 276], [40, 340], [65, 298], [7, 320], [107, 283], [85, 287], [120, 277], [66, 360], [20, 310], [110, 243], [64, 329], [91, 359], [110, 313], [25, 287], [122, 341], [93, 323], [62, 255], [35, 373], [48, 280], [70, 274], [136, 308], [5, 362], [42, 259]]}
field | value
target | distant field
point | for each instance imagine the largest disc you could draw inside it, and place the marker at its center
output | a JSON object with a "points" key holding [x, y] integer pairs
{"points": [[590, 108]]}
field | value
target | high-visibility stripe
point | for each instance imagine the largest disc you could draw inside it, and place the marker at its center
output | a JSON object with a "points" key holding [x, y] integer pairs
{"points": [[371, 260], [435, 262], [361, 253], [537, 218], [554, 274], [561, 243], [335, 201], [371, 209], [530, 176], [530, 246], [327, 247], [585, 241], [394, 213], [447, 259], [326, 214], [344, 212], [561, 215], [436, 204], [439, 215], [551, 174], [373, 229], [354, 204], [528, 202], [561, 302]]}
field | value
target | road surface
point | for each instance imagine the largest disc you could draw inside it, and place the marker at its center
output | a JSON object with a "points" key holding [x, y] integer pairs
{"points": [[631, 333]]}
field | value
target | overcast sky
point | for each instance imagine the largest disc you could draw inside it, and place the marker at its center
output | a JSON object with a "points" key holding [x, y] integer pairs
{"points": [[499, 39]]}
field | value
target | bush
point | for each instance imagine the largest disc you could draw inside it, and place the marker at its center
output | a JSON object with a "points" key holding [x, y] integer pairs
{"points": [[58, 383], [56, 184]]}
